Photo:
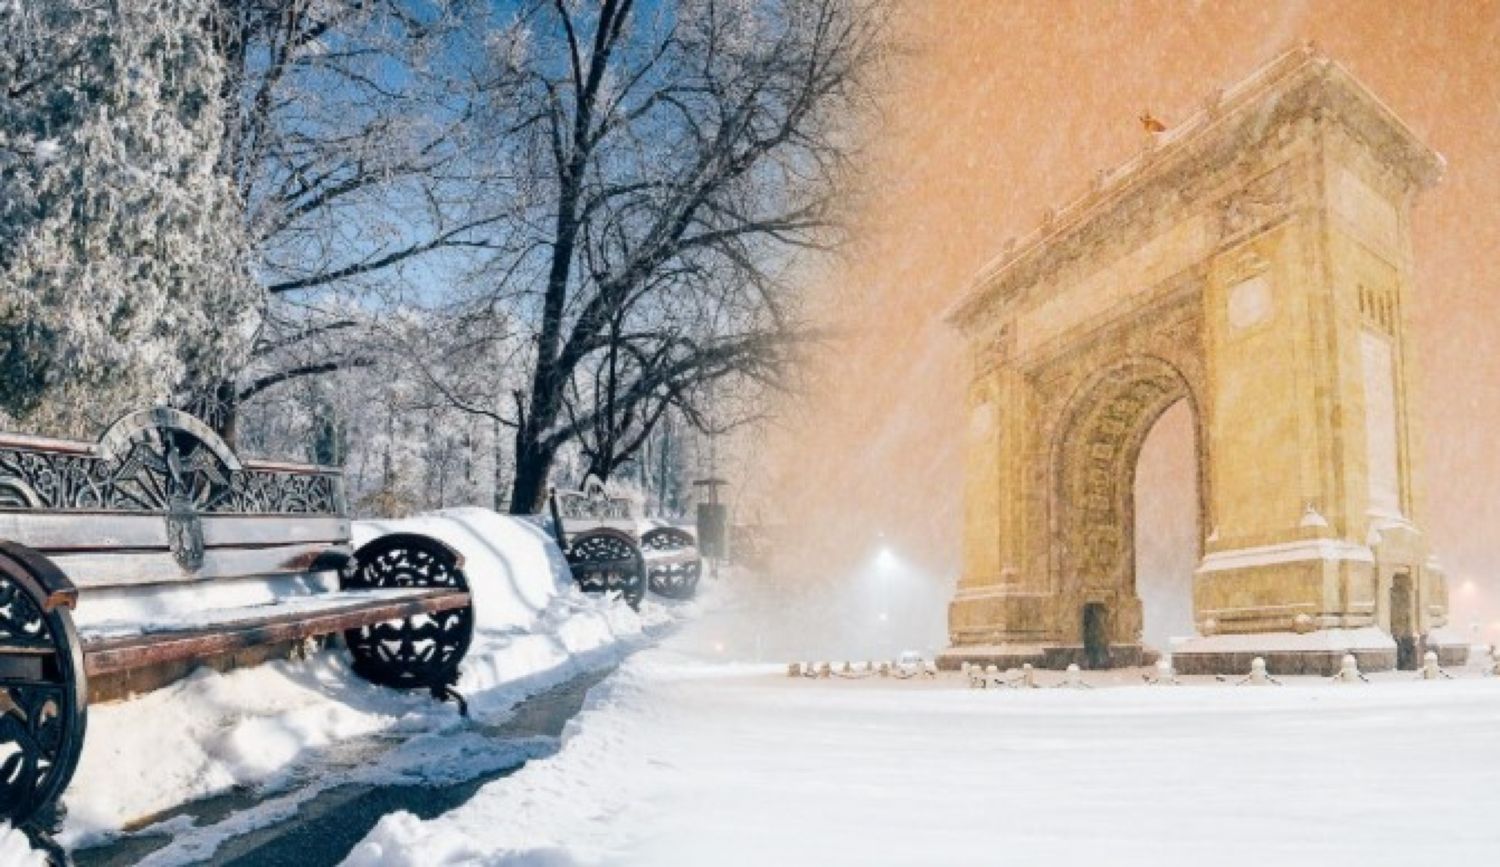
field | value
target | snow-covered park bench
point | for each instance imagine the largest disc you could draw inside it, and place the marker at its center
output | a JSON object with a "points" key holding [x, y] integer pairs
{"points": [[126, 563], [607, 549]]}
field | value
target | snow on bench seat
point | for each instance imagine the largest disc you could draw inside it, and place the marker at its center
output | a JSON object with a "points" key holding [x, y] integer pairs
{"points": [[116, 645], [660, 557], [119, 645]]}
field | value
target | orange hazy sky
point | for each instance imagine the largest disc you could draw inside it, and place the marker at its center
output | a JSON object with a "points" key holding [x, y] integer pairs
{"points": [[997, 110]]}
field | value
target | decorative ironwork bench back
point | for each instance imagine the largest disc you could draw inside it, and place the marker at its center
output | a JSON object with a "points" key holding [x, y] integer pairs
{"points": [[160, 479]]}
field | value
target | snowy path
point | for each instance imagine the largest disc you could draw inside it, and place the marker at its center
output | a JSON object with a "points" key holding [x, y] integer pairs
{"points": [[259, 727], [677, 761], [338, 796]]}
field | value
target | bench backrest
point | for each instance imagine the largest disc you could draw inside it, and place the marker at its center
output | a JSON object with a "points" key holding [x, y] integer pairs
{"points": [[161, 499], [592, 508]]}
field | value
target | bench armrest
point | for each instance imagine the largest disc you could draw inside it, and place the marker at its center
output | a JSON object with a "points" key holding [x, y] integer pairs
{"points": [[418, 540], [56, 589]]}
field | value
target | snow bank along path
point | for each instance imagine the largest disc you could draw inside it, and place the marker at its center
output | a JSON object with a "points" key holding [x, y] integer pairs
{"points": [[16, 851], [675, 761], [211, 732]]}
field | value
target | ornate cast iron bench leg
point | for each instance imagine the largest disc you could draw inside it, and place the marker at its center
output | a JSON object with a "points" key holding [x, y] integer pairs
{"points": [[420, 652], [605, 559], [677, 579], [43, 692]]}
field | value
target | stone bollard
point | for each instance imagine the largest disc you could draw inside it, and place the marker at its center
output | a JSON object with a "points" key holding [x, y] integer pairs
{"points": [[825, 670], [794, 670], [1349, 671], [1258, 675], [929, 669], [977, 679], [885, 669], [1073, 677], [1164, 672], [1028, 676], [1430, 668]]}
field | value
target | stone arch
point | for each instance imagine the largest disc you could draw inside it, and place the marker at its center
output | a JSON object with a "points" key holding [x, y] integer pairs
{"points": [[1092, 462], [1256, 263]]}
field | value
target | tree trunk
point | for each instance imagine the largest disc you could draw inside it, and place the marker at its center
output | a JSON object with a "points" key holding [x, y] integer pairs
{"points": [[528, 492], [600, 469], [229, 412], [217, 406], [498, 448]]}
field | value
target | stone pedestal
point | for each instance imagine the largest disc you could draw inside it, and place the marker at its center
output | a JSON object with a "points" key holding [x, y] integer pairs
{"points": [[1056, 656], [1319, 652]]}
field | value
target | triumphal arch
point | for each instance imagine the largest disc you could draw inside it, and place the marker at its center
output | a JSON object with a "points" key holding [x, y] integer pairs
{"points": [[1254, 261]]}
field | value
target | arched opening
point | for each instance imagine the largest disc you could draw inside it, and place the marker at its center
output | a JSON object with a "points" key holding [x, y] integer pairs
{"points": [[1167, 533], [1096, 451]]}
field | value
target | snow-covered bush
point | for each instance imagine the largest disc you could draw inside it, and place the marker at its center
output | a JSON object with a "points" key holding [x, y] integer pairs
{"points": [[121, 253]]}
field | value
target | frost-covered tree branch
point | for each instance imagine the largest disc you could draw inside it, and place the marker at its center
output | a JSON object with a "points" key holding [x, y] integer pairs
{"points": [[669, 162], [345, 130]]}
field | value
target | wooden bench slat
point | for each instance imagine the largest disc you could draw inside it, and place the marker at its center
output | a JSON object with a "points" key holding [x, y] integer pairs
{"points": [[574, 526], [25, 650], [672, 557], [60, 532], [334, 612], [98, 569], [627, 564], [28, 442], [229, 530]]}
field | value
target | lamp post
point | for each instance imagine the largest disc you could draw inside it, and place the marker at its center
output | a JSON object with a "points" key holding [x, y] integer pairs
{"points": [[713, 523]]}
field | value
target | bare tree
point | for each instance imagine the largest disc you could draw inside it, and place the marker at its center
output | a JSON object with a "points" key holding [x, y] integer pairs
{"points": [[663, 166], [716, 383], [344, 129]]}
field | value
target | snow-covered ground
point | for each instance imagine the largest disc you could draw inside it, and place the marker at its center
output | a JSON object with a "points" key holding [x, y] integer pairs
{"points": [[256, 726], [683, 758], [16, 851], [678, 760]]}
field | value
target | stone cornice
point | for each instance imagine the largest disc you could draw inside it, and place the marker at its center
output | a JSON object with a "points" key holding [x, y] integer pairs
{"points": [[1299, 84]]}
